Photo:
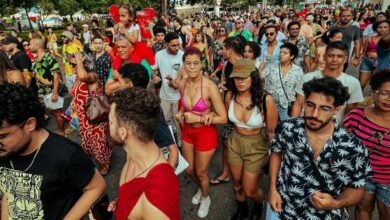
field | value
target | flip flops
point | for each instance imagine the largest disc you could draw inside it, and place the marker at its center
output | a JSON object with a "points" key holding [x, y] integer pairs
{"points": [[217, 181]]}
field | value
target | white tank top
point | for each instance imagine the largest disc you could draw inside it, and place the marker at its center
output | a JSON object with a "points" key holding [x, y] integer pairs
{"points": [[255, 121]]}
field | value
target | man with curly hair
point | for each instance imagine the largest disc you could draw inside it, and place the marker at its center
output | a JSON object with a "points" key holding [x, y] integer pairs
{"points": [[42, 174], [316, 167], [149, 189]]}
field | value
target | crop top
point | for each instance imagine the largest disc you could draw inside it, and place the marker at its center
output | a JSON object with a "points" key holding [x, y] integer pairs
{"points": [[255, 121], [371, 47], [200, 105], [161, 188]]}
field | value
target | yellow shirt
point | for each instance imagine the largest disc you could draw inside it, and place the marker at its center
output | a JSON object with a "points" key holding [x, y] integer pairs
{"points": [[69, 51]]}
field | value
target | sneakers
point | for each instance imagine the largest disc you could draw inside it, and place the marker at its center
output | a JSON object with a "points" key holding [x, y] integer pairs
{"points": [[197, 197], [204, 207]]}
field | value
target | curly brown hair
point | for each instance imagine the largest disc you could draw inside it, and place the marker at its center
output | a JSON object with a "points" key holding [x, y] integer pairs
{"points": [[139, 110]]}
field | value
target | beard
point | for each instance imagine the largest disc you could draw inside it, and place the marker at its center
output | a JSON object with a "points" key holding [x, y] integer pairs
{"points": [[322, 123], [8, 155]]}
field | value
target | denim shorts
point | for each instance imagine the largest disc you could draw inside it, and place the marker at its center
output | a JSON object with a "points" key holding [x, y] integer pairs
{"points": [[283, 112], [381, 191], [367, 65]]}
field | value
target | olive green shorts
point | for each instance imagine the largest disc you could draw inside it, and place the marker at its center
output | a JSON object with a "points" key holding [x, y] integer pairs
{"points": [[250, 151]]}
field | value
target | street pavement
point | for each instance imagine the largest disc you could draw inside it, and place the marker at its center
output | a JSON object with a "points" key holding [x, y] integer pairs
{"points": [[222, 198]]}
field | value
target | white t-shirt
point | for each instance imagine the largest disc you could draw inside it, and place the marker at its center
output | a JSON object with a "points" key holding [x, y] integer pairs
{"points": [[351, 82], [135, 27], [168, 64]]}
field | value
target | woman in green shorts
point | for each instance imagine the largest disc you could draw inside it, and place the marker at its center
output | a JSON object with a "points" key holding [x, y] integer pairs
{"points": [[247, 149]]}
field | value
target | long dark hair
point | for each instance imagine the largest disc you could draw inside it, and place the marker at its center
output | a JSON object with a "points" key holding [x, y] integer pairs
{"points": [[256, 91], [5, 65]]}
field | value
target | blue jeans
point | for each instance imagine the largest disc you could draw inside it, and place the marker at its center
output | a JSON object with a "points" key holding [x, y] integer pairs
{"points": [[283, 113]]}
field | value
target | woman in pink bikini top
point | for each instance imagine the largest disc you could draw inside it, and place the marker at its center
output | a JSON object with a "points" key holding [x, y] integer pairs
{"points": [[201, 108]]}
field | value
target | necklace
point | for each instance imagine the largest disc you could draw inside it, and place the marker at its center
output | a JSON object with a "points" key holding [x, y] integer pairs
{"points": [[150, 166], [33, 160]]}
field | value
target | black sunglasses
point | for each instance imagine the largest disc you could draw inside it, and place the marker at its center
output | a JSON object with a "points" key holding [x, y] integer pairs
{"points": [[269, 34]]}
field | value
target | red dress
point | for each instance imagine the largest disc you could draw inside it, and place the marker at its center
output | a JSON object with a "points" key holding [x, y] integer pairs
{"points": [[161, 188], [95, 138]]}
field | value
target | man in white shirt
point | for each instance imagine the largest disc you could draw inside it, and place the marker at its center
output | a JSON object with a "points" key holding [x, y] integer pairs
{"points": [[169, 61], [335, 56]]}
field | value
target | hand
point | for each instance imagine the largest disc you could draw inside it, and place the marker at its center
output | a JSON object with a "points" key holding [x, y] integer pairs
{"points": [[208, 118], [191, 118], [222, 86], [121, 26], [213, 75], [323, 201], [169, 78], [54, 97], [275, 200], [180, 117], [112, 206], [356, 61], [156, 79], [79, 57]]}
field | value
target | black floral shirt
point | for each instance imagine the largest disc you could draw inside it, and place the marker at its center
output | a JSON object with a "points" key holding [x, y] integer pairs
{"points": [[343, 163], [102, 67]]}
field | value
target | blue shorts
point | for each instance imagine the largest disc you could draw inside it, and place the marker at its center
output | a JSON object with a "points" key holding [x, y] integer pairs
{"points": [[381, 191], [367, 65]]}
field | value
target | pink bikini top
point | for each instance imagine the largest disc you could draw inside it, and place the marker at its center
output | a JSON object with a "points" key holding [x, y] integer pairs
{"points": [[371, 47], [200, 105]]}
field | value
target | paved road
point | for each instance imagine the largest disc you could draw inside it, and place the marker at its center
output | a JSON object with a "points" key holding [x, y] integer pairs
{"points": [[223, 205]]}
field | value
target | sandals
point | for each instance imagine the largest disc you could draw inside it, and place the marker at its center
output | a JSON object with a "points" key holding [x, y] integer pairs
{"points": [[217, 181]]}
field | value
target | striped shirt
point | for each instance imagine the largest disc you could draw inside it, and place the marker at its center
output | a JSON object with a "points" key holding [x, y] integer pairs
{"points": [[377, 140]]}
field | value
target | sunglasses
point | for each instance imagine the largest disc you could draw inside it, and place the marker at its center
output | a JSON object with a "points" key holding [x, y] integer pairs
{"points": [[248, 51], [25, 45], [73, 64], [239, 22], [269, 34], [222, 30]]}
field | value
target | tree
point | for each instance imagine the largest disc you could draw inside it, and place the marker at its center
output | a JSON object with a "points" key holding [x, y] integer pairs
{"points": [[68, 7], [25, 4], [46, 7]]}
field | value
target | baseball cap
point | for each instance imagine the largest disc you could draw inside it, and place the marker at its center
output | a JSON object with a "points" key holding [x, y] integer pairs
{"points": [[243, 68], [67, 34], [10, 40]]}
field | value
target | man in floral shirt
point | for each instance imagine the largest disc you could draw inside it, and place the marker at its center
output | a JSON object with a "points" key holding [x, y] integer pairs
{"points": [[303, 59], [316, 167]]}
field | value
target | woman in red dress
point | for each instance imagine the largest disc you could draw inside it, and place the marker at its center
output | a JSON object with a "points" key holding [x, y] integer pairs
{"points": [[95, 138]]}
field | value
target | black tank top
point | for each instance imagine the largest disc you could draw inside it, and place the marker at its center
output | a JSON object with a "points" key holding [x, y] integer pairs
{"points": [[182, 36]]}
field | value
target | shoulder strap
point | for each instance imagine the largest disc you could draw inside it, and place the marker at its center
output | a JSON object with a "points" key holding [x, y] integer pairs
{"points": [[281, 81], [201, 87]]}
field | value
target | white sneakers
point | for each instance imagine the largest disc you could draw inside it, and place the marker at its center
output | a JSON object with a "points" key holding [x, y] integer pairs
{"points": [[204, 203], [204, 207], [197, 197]]}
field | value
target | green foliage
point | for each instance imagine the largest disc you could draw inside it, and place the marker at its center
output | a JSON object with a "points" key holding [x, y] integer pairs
{"points": [[68, 7]]}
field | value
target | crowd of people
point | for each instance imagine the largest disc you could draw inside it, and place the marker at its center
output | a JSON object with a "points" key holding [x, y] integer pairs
{"points": [[269, 87]]}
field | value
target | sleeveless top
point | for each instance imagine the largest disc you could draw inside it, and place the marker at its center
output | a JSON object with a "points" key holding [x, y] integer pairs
{"points": [[161, 188], [255, 121], [200, 105]]}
